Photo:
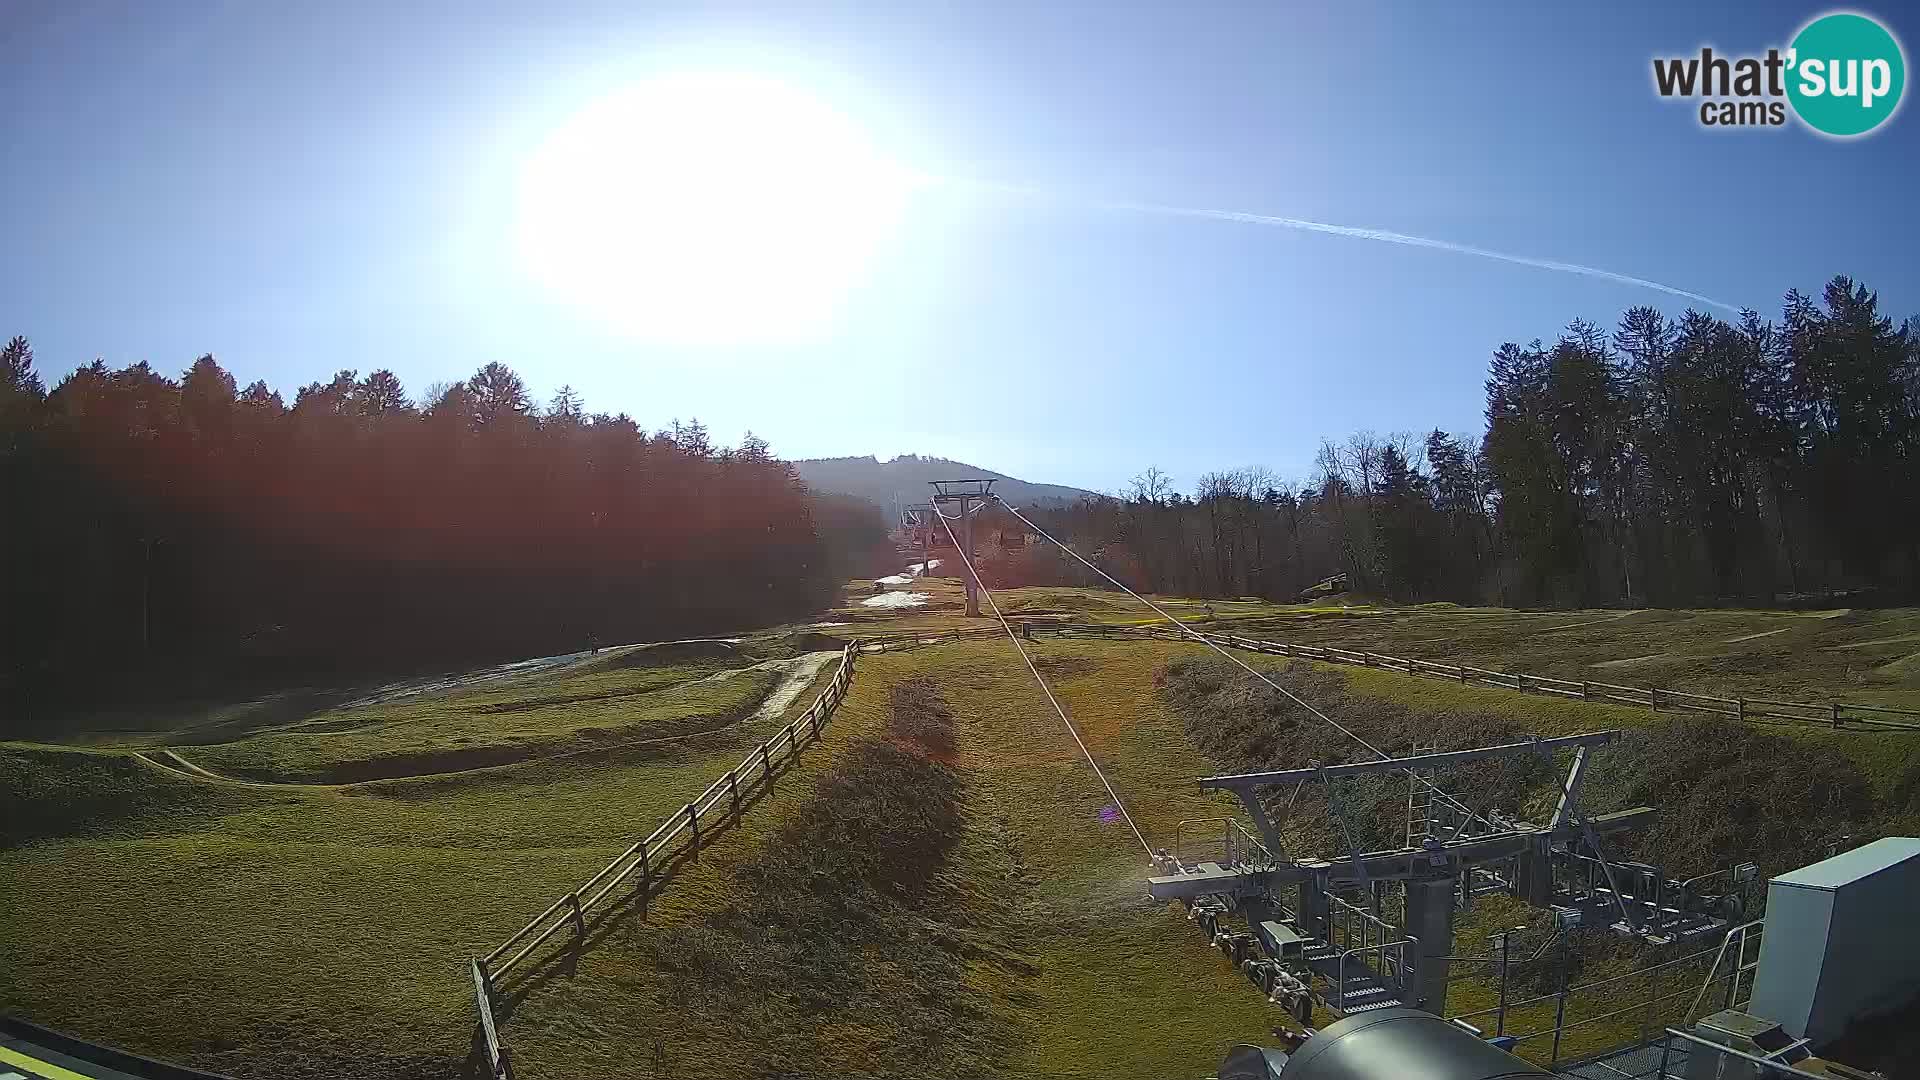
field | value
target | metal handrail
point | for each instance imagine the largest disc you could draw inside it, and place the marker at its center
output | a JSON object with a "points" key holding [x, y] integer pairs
{"points": [[1392, 953], [1234, 837]]}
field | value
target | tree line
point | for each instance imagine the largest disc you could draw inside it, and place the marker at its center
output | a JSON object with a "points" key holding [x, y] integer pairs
{"points": [[1669, 462], [202, 533]]}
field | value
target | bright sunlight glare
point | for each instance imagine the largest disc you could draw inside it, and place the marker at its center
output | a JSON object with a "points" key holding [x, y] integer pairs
{"points": [[708, 209]]}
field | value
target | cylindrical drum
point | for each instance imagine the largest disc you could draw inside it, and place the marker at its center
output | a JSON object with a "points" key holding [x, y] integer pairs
{"points": [[1402, 1044]]}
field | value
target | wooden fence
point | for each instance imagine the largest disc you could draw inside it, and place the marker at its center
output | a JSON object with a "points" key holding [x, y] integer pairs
{"points": [[666, 842], [1835, 714], [679, 834]]}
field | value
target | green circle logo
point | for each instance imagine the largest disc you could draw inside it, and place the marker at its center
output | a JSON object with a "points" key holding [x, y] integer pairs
{"points": [[1845, 74]]}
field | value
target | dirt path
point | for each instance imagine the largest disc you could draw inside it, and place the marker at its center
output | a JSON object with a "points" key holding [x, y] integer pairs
{"points": [[180, 768], [1629, 660], [800, 674], [797, 679], [1590, 622], [461, 680], [1751, 637], [1875, 642]]}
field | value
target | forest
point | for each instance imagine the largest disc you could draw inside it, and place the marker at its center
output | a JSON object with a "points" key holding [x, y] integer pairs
{"points": [[200, 538], [1669, 462]]}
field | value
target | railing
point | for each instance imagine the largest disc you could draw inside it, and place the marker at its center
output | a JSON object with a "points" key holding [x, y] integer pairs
{"points": [[1396, 960], [654, 852], [1835, 714], [1737, 939], [1758, 1068], [1666, 987], [1238, 846]]}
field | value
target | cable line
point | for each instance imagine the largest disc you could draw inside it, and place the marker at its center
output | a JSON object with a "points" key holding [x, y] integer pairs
{"points": [[1204, 640], [966, 560]]}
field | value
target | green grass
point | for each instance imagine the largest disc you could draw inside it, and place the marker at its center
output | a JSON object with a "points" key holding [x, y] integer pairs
{"points": [[1859, 656], [493, 726], [1065, 970], [322, 932], [308, 932]]}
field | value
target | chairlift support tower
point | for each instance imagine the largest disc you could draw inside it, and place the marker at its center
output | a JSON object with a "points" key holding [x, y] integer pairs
{"points": [[969, 495], [1364, 961], [918, 518]]}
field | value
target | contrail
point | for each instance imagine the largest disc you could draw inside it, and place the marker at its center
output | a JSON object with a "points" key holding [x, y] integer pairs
{"points": [[1354, 232]]}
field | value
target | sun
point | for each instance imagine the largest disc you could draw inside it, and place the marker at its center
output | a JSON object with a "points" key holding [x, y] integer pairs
{"points": [[707, 209]]}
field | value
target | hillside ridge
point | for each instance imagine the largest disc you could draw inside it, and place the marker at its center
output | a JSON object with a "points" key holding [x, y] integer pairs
{"points": [[903, 480]]}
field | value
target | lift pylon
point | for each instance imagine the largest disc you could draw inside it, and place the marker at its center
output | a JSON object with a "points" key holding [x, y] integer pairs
{"points": [[969, 496]]}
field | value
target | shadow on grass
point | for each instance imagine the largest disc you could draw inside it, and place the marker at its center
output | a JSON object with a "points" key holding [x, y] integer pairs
{"points": [[629, 901]]}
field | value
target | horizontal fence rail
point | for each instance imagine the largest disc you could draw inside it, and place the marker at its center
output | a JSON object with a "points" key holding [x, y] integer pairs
{"points": [[642, 860], [1835, 714]]}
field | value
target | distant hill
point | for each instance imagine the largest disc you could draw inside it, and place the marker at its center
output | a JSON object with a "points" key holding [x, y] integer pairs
{"points": [[903, 481]]}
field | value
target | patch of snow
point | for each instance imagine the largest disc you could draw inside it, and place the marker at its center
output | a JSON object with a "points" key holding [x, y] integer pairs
{"points": [[896, 600], [825, 625], [894, 579], [918, 569]]}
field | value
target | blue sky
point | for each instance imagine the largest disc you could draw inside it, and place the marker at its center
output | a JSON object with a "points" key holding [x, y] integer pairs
{"points": [[302, 189]]}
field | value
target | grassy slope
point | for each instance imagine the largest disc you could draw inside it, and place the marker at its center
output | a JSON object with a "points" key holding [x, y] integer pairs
{"points": [[159, 913], [491, 726], [311, 932], [1082, 977], [1863, 656]]}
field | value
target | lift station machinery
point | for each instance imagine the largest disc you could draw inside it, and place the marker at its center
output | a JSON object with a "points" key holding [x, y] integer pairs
{"points": [[1321, 931]]}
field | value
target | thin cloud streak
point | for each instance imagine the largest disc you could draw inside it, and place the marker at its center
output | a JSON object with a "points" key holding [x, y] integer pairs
{"points": [[1357, 233]]}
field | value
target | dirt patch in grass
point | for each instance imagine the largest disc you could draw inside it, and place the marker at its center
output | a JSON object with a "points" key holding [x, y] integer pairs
{"points": [[1065, 667], [1051, 600]]}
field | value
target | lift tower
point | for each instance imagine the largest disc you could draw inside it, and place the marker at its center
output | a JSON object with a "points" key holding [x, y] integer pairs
{"points": [[918, 520], [970, 496]]}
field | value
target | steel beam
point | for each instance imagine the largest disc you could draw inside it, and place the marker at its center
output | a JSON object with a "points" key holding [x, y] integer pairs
{"points": [[1568, 811], [1420, 862], [1418, 761]]}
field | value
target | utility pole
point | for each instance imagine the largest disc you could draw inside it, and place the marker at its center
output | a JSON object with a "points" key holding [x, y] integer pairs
{"points": [[969, 496]]}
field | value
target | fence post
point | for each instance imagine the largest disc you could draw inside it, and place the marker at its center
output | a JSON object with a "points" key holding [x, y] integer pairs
{"points": [[646, 873], [1653, 699], [1653, 995], [1586, 690], [733, 788], [693, 821], [1560, 1007], [579, 919], [1461, 669], [1506, 963], [766, 766], [1742, 702], [1835, 706]]}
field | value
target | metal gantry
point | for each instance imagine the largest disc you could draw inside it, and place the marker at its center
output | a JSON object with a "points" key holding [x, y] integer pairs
{"points": [[1318, 929], [970, 496]]}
